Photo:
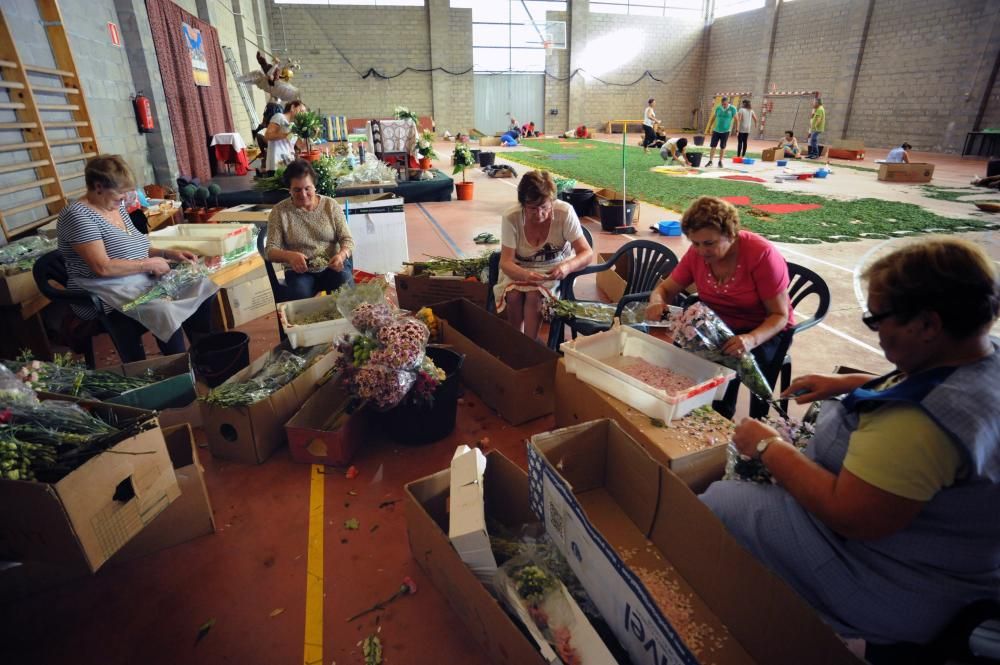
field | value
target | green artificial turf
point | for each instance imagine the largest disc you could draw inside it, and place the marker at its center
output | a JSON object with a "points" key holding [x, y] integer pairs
{"points": [[599, 164]]}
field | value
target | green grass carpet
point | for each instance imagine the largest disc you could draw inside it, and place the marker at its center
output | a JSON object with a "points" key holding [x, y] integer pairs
{"points": [[599, 164]]}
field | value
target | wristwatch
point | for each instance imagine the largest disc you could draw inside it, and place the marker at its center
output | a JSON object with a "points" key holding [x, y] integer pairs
{"points": [[764, 443]]}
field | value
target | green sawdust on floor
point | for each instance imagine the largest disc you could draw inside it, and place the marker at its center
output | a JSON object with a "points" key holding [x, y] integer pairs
{"points": [[951, 193], [599, 164]]}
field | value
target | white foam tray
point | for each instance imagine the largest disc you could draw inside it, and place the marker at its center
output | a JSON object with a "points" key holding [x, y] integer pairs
{"points": [[311, 334], [588, 358]]}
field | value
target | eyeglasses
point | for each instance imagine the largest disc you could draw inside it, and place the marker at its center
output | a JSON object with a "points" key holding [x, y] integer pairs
{"points": [[872, 320], [543, 209]]}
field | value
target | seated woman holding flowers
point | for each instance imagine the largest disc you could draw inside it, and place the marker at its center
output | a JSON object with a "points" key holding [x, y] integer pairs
{"points": [[308, 232], [888, 523], [541, 242], [98, 240], [739, 275]]}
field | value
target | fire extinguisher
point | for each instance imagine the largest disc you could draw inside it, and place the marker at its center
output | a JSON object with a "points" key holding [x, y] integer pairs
{"points": [[143, 113]]}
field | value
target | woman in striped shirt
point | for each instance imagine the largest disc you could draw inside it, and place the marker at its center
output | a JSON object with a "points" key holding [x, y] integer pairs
{"points": [[97, 239]]}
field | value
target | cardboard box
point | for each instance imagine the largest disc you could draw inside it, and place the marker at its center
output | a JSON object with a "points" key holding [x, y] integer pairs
{"points": [[510, 372], [487, 141], [15, 289], [247, 301], [187, 518], [612, 195], [627, 525], [612, 282], [467, 513], [419, 291], [311, 439], [912, 172], [844, 153], [378, 227], [684, 454], [768, 154], [248, 212], [92, 512], [506, 490], [174, 391], [250, 434]]}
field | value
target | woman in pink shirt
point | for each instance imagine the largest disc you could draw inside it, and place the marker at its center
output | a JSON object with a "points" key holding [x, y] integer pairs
{"points": [[741, 276]]}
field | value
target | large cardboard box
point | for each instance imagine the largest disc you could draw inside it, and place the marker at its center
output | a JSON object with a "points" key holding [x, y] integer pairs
{"points": [[419, 291], [506, 490], [15, 289], [187, 518], [247, 301], [378, 227], [912, 172], [768, 154], [174, 390], [315, 436], [250, 434], [247, 212], [510, 372], [92, 512], [632, 532], [686, 454]]}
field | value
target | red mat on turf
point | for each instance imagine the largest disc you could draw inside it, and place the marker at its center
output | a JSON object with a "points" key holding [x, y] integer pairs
{"points": [[782, 208], [737, 200], [747, 178]]}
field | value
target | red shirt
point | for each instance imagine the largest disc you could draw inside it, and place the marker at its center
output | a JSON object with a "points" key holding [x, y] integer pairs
{"points": [[761, 273]]}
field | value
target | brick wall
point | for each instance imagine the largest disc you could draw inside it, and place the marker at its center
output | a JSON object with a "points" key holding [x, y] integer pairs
{"points": [[925, 67], [556, 85], [670, 50], [732, 63]]}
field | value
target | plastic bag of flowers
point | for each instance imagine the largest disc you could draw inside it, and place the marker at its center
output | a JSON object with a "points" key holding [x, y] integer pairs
{"points": [[549, 613], [372, 292], [699, 329]]}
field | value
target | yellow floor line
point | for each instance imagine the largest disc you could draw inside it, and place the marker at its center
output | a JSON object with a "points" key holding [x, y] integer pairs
{"points": [[313, 652]]}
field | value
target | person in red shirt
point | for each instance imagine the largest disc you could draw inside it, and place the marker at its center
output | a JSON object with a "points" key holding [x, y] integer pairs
{"points": [[581, 132], [741, 276]]}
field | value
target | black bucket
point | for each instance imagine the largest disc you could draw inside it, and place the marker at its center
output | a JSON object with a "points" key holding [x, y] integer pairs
{"points": [[699, 140], [611, 214], [582, 200], [694, 158], [486, 158], [420, 424], [218, 356]]}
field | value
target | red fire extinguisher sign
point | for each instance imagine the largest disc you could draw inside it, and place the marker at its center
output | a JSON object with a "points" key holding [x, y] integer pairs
{"points": [[143, 113]]}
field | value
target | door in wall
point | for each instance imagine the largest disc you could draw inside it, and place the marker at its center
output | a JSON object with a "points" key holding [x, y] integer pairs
{"points": [[520, 95]]}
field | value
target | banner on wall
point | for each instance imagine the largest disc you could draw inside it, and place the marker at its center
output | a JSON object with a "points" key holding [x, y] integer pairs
{"points": [[196, 48]]}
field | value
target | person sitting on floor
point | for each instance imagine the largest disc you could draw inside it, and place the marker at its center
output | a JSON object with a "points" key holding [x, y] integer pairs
{"points": [[790, 145], [887, 522], [309, 233], [900, 155], [674, 151], [529, 130], [582, 132]]}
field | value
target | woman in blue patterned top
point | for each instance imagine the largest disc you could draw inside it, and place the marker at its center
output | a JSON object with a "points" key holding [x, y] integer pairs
{"points": [[97, 239]]}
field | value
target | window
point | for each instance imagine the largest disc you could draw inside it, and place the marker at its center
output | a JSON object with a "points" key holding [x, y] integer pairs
{"points": [[370, 3], [507, 35], [730, 7], [679, 8]]}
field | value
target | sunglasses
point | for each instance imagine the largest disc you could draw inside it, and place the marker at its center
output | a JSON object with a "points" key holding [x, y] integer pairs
{"points": [[872, 320]]}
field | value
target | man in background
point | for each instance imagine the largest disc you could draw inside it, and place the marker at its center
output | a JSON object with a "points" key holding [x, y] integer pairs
{"points": [[817, 125]]}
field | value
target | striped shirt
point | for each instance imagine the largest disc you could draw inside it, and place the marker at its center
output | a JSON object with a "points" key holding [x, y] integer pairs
{"points": [[79, 223]]}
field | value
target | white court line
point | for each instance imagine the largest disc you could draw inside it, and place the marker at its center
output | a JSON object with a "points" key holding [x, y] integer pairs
{"points": [[785, 249], [853, 340], [858, 295]]}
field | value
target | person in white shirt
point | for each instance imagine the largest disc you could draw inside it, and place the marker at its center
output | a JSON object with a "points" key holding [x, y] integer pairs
{"points": [[900, 155], [648, 121], [746, 119], [673, 151], [280, 144]]}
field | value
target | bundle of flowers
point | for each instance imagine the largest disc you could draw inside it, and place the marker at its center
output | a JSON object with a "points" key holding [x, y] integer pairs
{"points": [[425, 145], [699, 330], [273, 376], [19, 256], [403, 113], [67, 377], [373, 170], [798, 433], [600, 312], [387, 362], [48, 438], [171, 285]]}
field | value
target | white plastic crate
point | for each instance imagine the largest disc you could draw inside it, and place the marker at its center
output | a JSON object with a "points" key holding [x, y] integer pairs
{"points": [[590, 359], [204, 239], [311, 334]]}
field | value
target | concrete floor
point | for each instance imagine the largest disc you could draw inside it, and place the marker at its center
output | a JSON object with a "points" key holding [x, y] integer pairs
{"points": [[149, 611]]}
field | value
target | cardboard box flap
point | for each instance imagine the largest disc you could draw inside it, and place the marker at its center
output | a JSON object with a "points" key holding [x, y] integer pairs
{"points": [[761, 611], [45, 527], [486, 333]]}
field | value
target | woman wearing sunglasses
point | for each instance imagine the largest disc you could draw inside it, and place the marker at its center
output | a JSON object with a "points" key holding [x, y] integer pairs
{"points": [[888, 524]]}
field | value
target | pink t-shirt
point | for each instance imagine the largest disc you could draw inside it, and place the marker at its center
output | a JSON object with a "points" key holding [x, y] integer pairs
{"points": [[761, 273]]}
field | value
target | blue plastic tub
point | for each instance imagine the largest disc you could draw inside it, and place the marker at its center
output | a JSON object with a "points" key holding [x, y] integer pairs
{"points": [[822, 173], [782, 162], [749, 160], [669, 228]]}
